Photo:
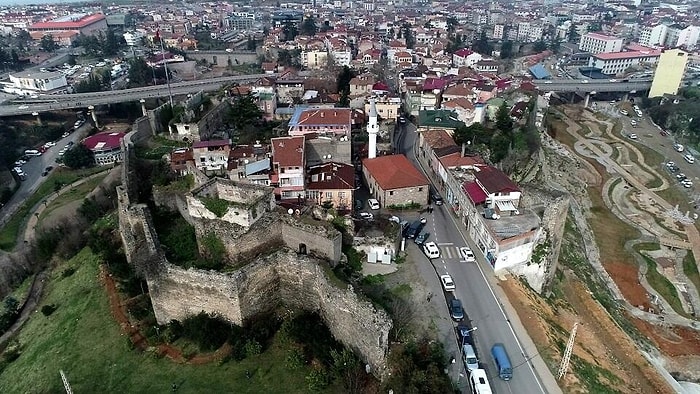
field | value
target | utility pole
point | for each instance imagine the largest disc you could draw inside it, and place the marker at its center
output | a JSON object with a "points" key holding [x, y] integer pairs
{"points": [[167, 77], [564, 366], [65, 382]]}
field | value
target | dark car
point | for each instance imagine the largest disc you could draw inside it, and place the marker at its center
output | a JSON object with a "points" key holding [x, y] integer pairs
{"points": [[359, 205], [414, 229], [436, 199], [456, 310], [464, 334], [422, 237]]}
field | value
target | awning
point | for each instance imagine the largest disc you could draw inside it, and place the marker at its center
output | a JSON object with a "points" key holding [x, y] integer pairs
{"points": [[475, 193], [505, 205]]}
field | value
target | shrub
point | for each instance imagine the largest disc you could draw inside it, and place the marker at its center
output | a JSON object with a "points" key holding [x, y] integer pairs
{"points": [[295, 359], [68, 272], [318, 379], [47, 310], [252, 348], [216, 205]]}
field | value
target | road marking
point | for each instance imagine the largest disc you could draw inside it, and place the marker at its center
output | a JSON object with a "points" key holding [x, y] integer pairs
{"points": [[449, 254], [445, 243]]}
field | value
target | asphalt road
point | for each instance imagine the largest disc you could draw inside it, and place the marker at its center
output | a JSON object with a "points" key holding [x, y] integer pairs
{"points": [[82, 100], [33, 168], [593, 85], [484, 305]]}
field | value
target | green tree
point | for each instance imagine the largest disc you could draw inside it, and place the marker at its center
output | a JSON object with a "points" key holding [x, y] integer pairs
{"points": [[507, 49], [48, 44], [539, 46], [140, 73], [482, 45], [407, 31], [474, 134], [452, 23], [503, 121], [344, 78], [595, 26], [500, 146], [244, 112], [251, 44], [555, 45], [111, 43], [79, 157], [289, 31], [573, 33], [308, 26]]}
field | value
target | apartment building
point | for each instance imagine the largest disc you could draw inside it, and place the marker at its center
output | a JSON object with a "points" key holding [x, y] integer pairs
{"points": [[599, 43]]}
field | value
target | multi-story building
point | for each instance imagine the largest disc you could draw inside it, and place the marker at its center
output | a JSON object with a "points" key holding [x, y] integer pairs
{"points": [[133, 38], [335, 121], [650, 36], [288, 167], [388, 107], [26, 83], [465, 58], [331, 183], [669, 72], [314, 58], [105, 147], [599, 43], [619, 62], [393, 180], [88, 25], [680, 36], [498, 32], [211, 157]]}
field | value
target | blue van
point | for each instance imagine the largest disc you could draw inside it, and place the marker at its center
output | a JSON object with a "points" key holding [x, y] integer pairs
{"points": [[500, 358]]}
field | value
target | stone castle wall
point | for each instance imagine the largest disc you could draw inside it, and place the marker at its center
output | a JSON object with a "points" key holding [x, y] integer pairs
{"points": [[283, 277]]}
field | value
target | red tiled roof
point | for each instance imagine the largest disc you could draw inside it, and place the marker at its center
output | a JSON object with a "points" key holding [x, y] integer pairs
{"points": [[456, 159], [103, 141], [325, 116], [288, 151], [437, 138], [331, 176], [71, 25], [394, 172], [474, 192], [464, 52], [495, 181]]}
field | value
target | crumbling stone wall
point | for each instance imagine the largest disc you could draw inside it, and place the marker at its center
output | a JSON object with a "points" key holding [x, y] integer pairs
{"points": [[283, 277]]}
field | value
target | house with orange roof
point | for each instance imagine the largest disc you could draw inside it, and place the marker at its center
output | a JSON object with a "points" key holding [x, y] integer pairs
{"points": [[394, 180], [335, 121]]}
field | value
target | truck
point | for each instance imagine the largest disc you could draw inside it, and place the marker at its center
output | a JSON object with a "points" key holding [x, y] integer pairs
{"points": [[479, 382]]}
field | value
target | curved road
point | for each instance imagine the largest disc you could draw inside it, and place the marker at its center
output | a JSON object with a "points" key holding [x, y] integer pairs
{"points": [[82, 100]]}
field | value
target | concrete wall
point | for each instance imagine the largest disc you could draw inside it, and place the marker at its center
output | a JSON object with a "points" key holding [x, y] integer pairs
{"points": [[285, 277], [222, 57]]}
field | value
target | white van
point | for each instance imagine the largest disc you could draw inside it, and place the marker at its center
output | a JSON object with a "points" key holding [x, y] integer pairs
{"points": [[479, 382], [32, 152], [469, 357], [689, 158], [431, 250], [373, 203]]}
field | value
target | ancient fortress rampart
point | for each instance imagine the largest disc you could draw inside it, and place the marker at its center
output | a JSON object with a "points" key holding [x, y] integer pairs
{"points": [[292, 276]]}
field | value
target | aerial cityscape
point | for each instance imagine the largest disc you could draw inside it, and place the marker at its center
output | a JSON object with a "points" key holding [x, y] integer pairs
{"points": [[350, 197]]}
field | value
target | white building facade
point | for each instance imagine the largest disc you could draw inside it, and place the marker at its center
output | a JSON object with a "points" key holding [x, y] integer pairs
{"points": [[599, 43]]}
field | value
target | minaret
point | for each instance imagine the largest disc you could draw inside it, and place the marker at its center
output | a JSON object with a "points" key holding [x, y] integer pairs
{"points": [[372, 130]]}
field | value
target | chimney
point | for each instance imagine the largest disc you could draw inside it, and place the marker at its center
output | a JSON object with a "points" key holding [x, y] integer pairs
{"points": [[322, 114], [464, 148]]}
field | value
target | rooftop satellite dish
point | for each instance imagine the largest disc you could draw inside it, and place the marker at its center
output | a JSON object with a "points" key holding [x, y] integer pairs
{"points": [[290, 211]]}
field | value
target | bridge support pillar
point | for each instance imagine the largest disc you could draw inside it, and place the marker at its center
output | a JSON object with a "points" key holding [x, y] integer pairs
{"points": [[38, 118], [94, 115], [588, 99], [144, 111]]}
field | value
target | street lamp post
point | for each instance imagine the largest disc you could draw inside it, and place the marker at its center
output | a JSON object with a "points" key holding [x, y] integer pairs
{"points": [[461, 347]]}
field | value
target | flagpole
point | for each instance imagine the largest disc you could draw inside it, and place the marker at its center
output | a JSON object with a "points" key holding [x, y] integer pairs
{"points": [[167, 77]]}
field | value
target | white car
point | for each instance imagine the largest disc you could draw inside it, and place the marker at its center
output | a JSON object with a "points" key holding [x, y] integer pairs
{"points": [[431, 250], [366, 215], [447, 283], [624, 112], [633, 136], [373, 204], [678, 147], [467, 254]]}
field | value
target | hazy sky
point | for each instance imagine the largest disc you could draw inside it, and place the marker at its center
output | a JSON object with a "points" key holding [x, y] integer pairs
{"points": [[25, 2]]}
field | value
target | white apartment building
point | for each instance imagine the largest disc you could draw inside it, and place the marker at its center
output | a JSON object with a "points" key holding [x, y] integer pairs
{"points": [[679, 36], [314, 59], [498, 32], [650, 36], [599, 43], [617, 62], [26, 83]]}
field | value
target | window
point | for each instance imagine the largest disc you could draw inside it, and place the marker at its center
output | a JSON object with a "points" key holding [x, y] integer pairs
{"points": [[420, 189], [341, 194], [391, 193], [329, 195]]}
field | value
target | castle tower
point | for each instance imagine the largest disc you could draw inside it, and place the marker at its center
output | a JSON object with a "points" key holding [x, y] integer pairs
{"points": [[372, 130]]}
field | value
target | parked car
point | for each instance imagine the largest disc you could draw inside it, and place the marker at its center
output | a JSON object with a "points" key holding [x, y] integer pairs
{"points": [[456, 310], [436, 199], [359, 205], [422, 237], [447, 283], [633, 136], [464, 334], [366, 216], [373, 204], [431, 250]]}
